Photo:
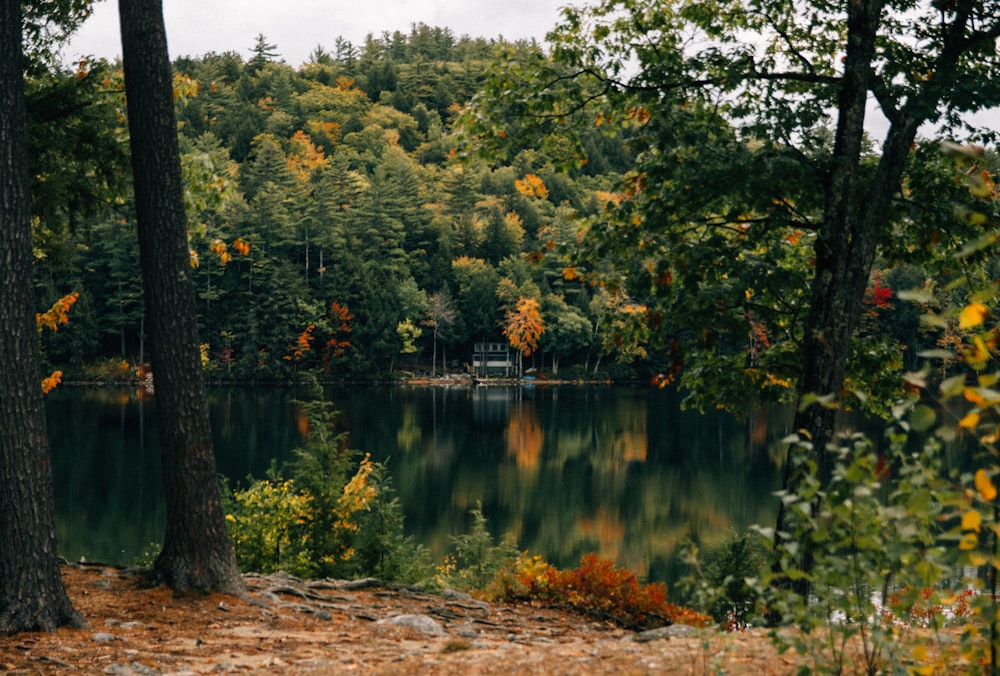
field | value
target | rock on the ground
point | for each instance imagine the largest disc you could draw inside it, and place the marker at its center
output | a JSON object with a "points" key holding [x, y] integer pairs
{"points": [[672, 631], [421, 623]]}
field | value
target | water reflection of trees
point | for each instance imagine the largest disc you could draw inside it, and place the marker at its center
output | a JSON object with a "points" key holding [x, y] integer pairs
{"points": [[619, 471]]}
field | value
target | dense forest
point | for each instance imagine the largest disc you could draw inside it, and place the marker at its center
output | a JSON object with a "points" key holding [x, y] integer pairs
{"points": [[334, 226], [343, 223]]}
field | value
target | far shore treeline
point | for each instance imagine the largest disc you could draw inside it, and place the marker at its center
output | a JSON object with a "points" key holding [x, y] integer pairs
{"points": [[333, 226], [340, 225]]}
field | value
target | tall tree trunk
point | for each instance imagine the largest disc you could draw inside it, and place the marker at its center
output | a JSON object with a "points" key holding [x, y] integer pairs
{"points": [[32, 595], [196, 549], [853, 217]]}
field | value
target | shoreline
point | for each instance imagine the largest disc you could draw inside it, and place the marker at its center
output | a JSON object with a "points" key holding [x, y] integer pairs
{"points": [[451, 380]]}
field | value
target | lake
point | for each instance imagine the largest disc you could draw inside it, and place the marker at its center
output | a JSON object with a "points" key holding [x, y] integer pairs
{"points": [[568, 470]]}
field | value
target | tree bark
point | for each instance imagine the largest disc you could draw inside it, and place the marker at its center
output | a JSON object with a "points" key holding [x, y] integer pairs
{"points": [[32, 595], [854, 215], [196, 552]]}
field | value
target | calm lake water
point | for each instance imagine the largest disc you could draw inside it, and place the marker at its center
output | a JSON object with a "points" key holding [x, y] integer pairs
{"points": [[568, 470]]}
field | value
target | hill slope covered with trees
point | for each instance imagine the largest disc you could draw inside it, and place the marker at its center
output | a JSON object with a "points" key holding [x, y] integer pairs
{"points": [[334, 225]]}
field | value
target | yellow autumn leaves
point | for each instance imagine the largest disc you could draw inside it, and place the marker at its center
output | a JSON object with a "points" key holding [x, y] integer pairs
{"points": [[271, 522], [972, 315], [972, 519], [985, 487]]}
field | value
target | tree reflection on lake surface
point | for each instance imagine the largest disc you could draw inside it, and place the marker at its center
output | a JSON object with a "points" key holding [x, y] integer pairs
{"points": [[620, 471]]}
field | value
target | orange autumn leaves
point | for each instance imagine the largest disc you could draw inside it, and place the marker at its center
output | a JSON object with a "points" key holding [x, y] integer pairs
{"points": [[57, 314], [597, 587], [337, 327], [49, 383], [221, 251], [52, 318], [525, 326], [531, 186]]}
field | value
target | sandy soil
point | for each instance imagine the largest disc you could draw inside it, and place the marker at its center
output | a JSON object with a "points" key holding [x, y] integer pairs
{"points": [[290, 627]]}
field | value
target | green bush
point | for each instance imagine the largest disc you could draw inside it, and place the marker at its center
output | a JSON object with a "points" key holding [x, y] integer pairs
{"points": [[269, 525], [881, 561], [476, 560], [324, 521], [727, 570]]}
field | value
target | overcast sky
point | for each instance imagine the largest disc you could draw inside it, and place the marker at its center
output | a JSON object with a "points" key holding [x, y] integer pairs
{"points": [[297, 27], [196, 27]]}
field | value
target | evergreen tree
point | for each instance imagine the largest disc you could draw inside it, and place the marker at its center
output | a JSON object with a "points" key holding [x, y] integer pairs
{"points": [[262, 53]]}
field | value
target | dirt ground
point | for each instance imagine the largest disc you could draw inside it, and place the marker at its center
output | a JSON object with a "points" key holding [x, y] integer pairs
{"points": [[287, 626]]}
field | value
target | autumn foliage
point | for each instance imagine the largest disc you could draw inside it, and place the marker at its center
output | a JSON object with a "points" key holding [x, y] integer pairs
{"points": [[52, 318], [302, 345], [335, 327], [525, 326], [531, 186], [339, 320], [596, 587], [50, 383], [57, 314]]}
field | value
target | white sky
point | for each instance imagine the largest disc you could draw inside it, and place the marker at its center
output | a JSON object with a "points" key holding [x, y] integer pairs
{"points": [[296, 27]]}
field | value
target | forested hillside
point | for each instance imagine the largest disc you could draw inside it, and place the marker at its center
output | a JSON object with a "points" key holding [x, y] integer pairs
{"points": [[334, 227], [343, 222]]}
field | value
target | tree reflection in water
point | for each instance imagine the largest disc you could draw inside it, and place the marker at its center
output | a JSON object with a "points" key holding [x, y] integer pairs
{"points": [[616, 470]]}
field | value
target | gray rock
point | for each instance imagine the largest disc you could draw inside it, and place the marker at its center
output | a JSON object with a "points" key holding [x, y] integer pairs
{"points": [[467, 631], [123, 625], [421, 623], [673, 631], [681, 630], [464, 600], [454, 595], [104, 637], [132, 669]]}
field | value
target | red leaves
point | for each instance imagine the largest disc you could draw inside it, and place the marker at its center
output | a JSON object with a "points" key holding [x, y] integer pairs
{"points": [[340, 325], [332, 332], [881, 295], [877, 296]]}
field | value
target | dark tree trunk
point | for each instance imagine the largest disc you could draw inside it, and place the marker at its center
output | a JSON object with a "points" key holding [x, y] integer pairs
{"points": [[196, 549], [853, 218], [32, 595]]}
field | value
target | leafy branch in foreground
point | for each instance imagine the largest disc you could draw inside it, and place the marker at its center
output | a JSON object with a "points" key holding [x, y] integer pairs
{"points": [[902, 540], [52, 318]]}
